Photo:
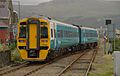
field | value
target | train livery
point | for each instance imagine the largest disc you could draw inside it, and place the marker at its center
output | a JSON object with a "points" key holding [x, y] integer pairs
{"points": [[41, 39]]}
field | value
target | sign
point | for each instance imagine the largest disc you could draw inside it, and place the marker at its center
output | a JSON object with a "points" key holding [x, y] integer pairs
{"points": [[4, 11], [108, 22]]}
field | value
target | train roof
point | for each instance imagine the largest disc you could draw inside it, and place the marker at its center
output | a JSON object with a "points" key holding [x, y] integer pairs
{"points": [[88, 28], [66, 24]]}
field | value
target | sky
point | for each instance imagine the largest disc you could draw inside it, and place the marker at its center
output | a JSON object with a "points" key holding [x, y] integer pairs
{"points": [[35, 2], [31, 2], [112, 0], [78, 7]]}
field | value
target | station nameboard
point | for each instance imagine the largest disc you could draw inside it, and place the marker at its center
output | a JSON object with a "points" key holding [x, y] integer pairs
{"points": [[108, 21], [4, 12]]}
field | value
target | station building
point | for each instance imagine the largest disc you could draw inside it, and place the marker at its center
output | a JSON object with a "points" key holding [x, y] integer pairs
{"points": [[7, 18]]}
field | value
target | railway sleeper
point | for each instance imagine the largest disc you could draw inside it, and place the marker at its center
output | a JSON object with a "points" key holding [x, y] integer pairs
{"points": [[80, 69]]}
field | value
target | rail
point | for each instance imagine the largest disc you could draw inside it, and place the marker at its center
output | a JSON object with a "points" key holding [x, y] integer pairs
{"points": [[7, 70], [78, 58]]}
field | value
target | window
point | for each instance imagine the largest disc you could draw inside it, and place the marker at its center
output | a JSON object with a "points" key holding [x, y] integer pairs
{"points": [[44, 32], [60, 33], [51, 32], [22, 33], [54, 33]]}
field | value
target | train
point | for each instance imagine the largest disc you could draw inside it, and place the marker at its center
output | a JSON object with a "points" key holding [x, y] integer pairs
{"points": [[42, 39]]}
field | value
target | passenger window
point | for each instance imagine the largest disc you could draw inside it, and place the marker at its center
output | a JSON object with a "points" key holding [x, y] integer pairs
{"points": [[52, 33]]}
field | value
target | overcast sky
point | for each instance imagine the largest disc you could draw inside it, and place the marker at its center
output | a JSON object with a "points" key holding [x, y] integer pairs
{"points": [[35, 2], [31, 2]]}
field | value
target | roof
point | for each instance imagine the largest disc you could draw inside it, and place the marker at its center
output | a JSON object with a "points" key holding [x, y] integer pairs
{"points": [[88, 28], [66, 24], [3, 24]]}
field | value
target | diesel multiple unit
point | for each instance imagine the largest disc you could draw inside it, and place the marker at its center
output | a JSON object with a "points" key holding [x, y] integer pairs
{"points": [[40, 39]]}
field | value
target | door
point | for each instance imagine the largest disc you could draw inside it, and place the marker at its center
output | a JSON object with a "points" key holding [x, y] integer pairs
{"points": [[33, 41], [33, 36], [53, 35]]}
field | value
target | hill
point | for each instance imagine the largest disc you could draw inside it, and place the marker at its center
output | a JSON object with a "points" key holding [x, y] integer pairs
{"points": [[85, 12]]}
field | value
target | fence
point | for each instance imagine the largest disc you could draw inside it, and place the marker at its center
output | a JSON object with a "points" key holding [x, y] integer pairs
{"points": [[5, 58]]}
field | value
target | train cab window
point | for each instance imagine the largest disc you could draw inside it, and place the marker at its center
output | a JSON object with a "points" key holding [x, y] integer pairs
{"points": [[44, 32], [22, 33]]}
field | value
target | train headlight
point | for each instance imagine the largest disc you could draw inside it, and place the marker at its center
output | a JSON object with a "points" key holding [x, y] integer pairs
{"points": [[22, 40], [44, 40]]}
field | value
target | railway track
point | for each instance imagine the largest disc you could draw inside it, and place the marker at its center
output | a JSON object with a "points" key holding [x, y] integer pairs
{"points": [[27, 67], [31, 70], [82, 64], [56, 68], [10, 69], [40, 67]]}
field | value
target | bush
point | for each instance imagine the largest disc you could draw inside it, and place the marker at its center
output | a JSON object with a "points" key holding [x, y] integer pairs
{"points": [[15, 55], [117, 44], [13, 46], [3, 47]]}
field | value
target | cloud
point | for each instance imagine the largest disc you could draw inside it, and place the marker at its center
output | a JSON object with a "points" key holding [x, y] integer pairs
{"points": [[31, 2], [112, 0]]}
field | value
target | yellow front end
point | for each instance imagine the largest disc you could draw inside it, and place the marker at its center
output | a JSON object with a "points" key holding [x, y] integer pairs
{"points": [[36, 43]]}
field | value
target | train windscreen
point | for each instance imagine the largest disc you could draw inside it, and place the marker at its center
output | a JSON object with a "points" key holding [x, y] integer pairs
{"points": [[44, 32], [22, 33]]}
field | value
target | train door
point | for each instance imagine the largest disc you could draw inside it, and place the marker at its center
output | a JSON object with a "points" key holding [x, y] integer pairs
{"points": [[33, 41], [53, 35]]}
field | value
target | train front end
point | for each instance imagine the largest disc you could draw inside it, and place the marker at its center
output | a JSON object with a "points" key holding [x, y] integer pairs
{"points": [[33, 40]]}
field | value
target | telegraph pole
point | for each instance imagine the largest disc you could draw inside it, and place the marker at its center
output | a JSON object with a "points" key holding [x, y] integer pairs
{"points": [[114, 32], [107, 23]]}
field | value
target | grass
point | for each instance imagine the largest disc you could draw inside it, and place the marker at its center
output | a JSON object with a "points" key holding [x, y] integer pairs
{"points": [[104, 67], [117, 44], [103, 64]]}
